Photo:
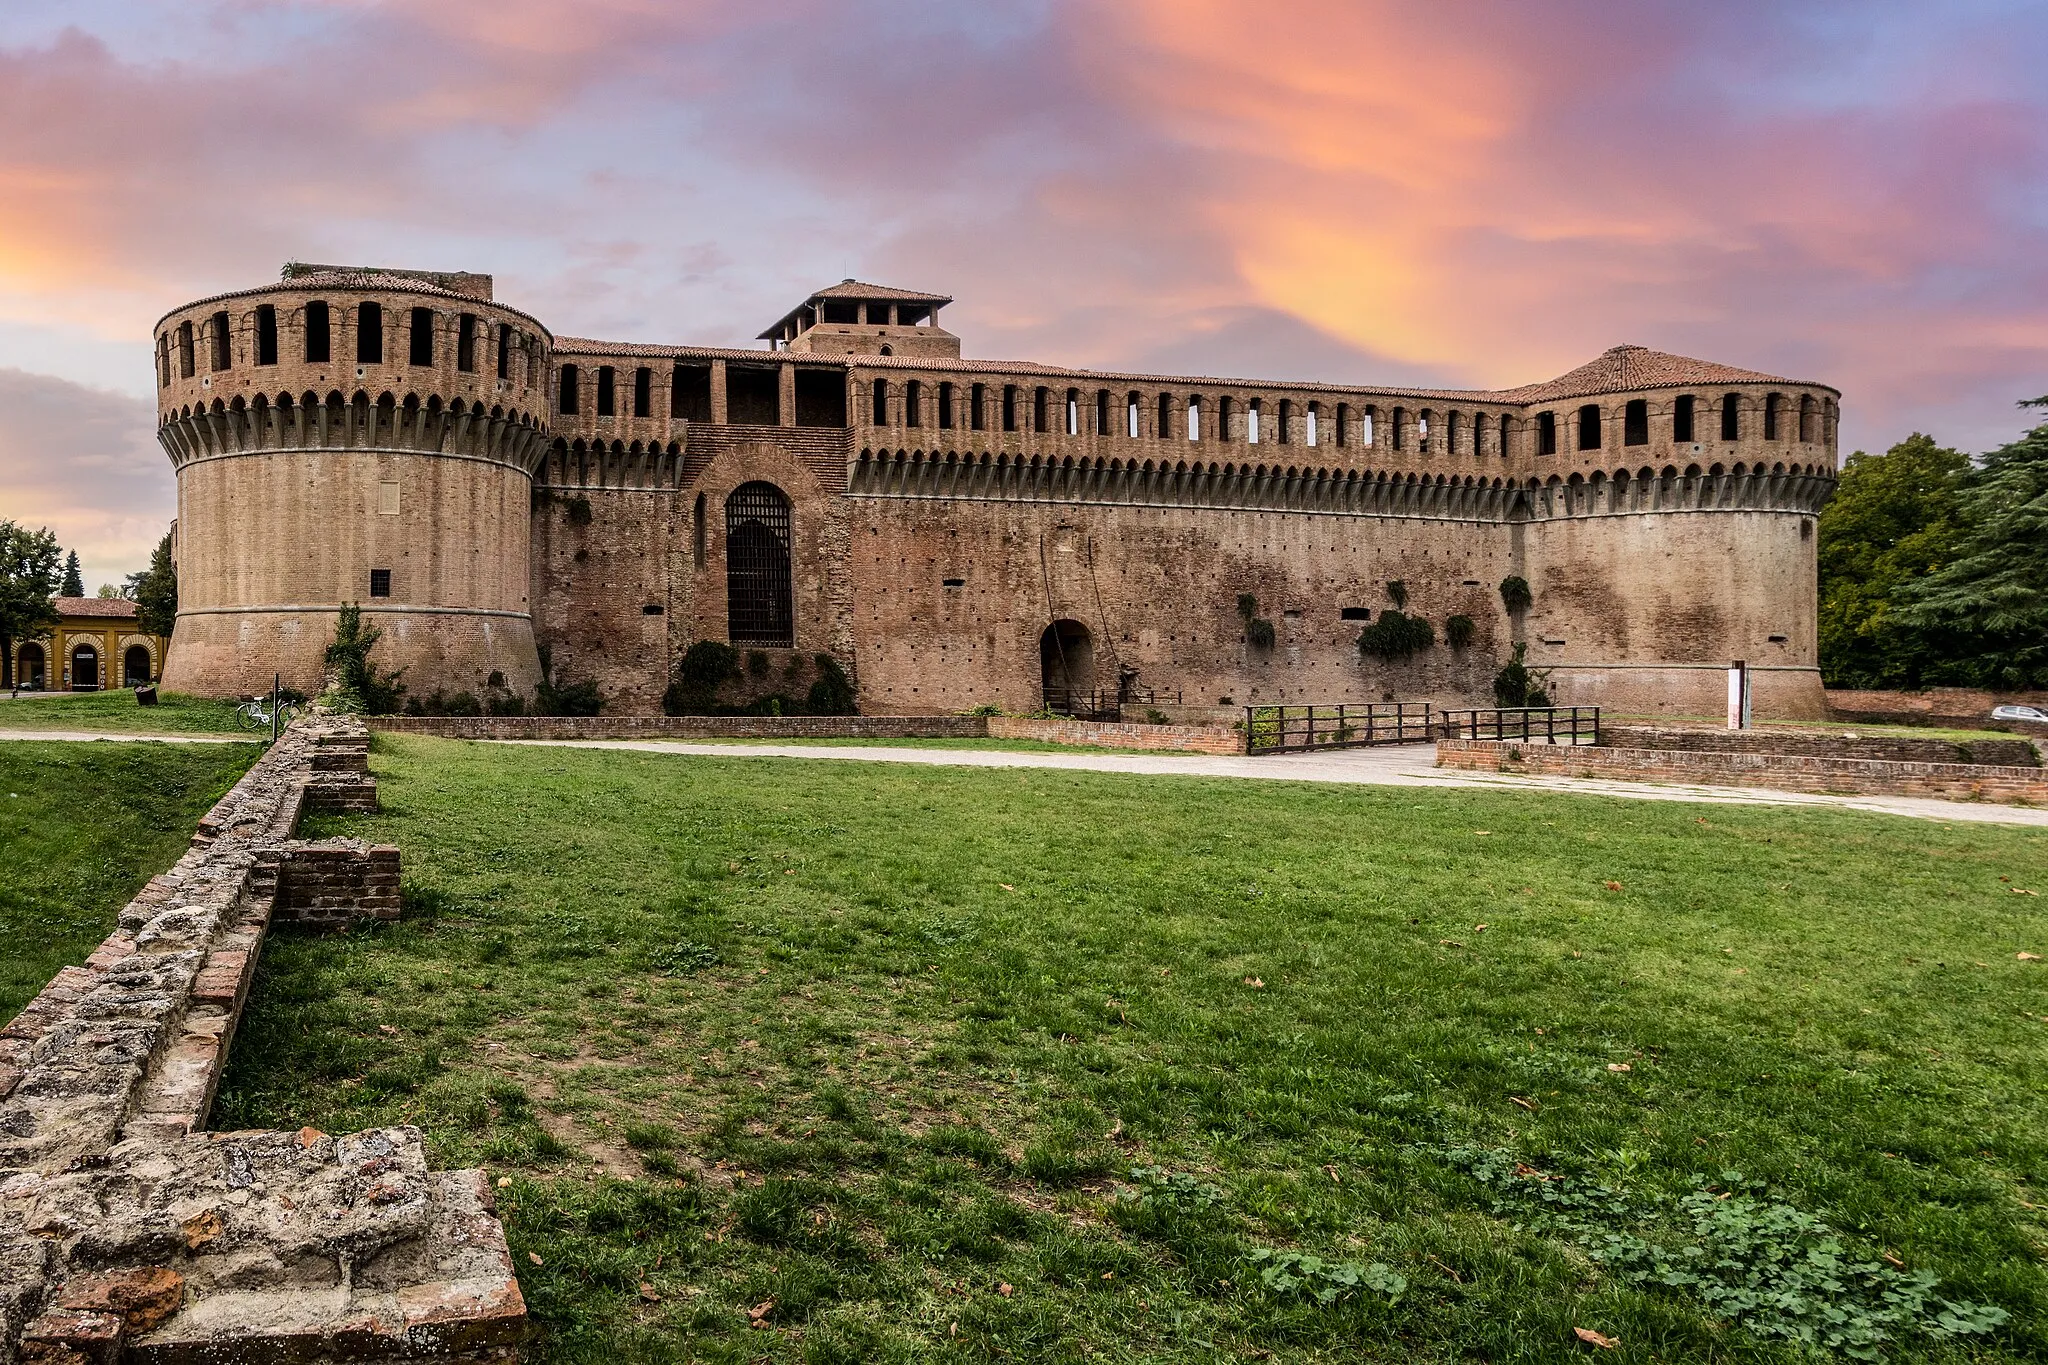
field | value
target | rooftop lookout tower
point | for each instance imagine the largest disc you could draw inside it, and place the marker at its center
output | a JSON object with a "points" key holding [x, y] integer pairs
{"points": [[851, 318]]}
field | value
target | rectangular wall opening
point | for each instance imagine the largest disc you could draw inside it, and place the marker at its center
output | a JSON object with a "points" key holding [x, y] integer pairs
{"points": [[820, 397], [689, 394], [752, 396]]}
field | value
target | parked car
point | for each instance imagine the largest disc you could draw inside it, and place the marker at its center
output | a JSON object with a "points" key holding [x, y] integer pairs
{"points": [[2034, 713]]}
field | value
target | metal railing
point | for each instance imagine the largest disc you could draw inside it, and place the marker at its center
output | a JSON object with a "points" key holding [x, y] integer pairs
{"points": [[1295, 729], [1105, 706], [1536, 724]]}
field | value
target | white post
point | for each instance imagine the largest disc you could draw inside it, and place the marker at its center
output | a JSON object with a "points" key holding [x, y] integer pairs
{"points": [[1738, 695]]}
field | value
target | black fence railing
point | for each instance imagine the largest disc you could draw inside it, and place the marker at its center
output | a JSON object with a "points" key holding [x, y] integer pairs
{"points": [[1294, 729], [1083, 705], [1536, 724]]}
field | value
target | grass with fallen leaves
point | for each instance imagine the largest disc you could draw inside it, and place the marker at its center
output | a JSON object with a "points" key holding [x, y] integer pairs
{"points": [[82, 827], [117, 712], [821, 1062]]}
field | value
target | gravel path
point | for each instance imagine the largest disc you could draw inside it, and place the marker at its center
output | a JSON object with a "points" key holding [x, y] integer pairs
{"points": [[1404, 765]]}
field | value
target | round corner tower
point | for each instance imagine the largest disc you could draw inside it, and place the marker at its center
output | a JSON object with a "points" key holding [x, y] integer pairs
{"points": [[353, 436]]}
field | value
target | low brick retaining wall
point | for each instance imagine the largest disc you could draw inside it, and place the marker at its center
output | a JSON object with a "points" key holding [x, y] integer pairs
{"points": [[2011, 753], [686, 727], [130, 1234], [1784, 772], [1204, 739]]}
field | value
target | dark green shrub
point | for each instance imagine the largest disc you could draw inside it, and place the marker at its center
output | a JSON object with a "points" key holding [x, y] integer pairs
{"points": [[441, 704], [1517, 684], [1396, 636], [705, 667], [1515, 594], [572, 699], [832, 693], [577, 511], [1397, 592], [1258, 633], [357, 683], [1459, 630], [1247, 605], [757, 662]]}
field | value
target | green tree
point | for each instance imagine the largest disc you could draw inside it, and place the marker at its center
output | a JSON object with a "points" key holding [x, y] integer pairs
{"points": [[1984, 612], [28, 579], [155, 591], [1894, 518], [74, 580]]}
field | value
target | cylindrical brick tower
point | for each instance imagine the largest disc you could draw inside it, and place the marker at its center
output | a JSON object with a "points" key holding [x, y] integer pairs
{"points": [[353, 435]]}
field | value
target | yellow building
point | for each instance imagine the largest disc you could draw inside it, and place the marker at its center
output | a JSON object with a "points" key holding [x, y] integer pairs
{"points": [[96, 644]]}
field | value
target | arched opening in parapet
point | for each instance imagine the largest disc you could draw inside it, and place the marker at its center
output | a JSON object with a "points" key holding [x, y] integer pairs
{"points": [[85, 669], [31, 670], [135, 666], [1635, 423], [758, 605], [1066, 664], [1589, 427], [369, 334]]}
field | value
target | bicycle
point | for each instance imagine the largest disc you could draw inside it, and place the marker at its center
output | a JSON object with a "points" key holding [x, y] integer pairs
{"points": [[255, 714]]}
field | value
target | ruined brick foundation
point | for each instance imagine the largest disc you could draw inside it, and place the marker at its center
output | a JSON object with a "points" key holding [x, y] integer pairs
{"points": [[130, 1234]]}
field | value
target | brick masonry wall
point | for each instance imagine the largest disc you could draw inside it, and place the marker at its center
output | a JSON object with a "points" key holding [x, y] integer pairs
{"points": [[686, 727], [2012, 753], [332, 883], [1843, 776], [1204, 739]]}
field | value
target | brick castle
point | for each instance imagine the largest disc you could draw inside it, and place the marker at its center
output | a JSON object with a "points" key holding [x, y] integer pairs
{"points": [[958, 532]]}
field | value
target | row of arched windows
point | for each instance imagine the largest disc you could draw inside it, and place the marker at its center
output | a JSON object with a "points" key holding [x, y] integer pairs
{"points": [[1233, 470], [1229, 419], [1812, 421], [430, 337]]}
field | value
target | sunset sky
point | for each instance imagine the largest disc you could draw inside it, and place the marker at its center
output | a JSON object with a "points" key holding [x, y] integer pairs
{"points": [[1483, 194]]}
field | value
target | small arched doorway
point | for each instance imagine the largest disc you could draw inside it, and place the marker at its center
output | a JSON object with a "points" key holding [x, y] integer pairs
{"points": [[31, 669], [1066, 665], [135, 668], [85, 669], [758, 606]]}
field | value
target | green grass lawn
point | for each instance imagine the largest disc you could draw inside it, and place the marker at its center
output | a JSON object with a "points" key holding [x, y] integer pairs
{"points": [[1026, 746], [82, 827], [928, 1064], [116, 711]]}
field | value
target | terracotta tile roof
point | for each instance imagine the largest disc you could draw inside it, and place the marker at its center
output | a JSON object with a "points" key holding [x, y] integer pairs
{"points": [[881, 293], [94, 606], [1623, 369]]}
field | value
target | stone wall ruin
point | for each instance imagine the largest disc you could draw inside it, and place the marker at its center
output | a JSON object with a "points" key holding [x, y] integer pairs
{"points": [[129, 1233]]}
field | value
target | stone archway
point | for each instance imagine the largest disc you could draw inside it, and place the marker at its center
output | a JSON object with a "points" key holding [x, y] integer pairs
{"points": [[31, 668], [135, 666], [85, 668], [1066, 663]]}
